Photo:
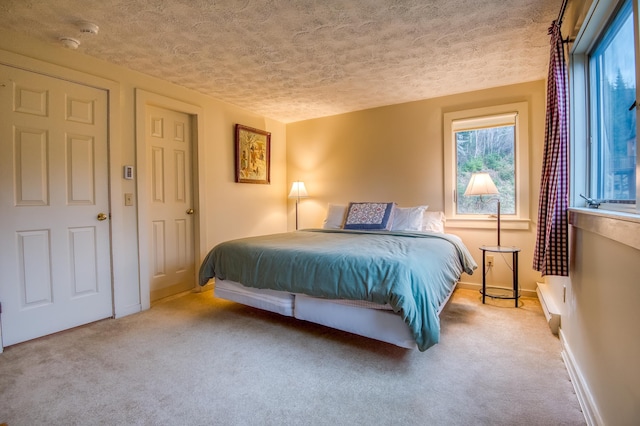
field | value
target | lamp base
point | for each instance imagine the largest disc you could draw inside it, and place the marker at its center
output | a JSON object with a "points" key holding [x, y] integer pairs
{"points": [[498, 223]]}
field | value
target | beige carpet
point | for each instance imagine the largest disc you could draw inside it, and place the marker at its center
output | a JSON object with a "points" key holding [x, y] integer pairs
{"points": [[196, 360]]}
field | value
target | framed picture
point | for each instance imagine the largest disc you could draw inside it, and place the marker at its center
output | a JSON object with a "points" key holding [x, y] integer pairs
{"points": [[253, 155]]}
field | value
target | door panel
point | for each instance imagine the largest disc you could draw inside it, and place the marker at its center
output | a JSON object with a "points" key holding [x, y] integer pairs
{"points": [[84, 270], [171, 249], [80, 170], [55, 270], [34, 268], [31, 173]]}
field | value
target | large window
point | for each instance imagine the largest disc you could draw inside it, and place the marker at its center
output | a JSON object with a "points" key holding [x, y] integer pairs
{"points": [[613, 119], [486, 144], [603, 79], [492, 140]]}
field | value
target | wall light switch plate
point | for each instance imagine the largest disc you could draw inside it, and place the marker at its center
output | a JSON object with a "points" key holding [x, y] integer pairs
{"points": [[127, 172], [128, 199]]}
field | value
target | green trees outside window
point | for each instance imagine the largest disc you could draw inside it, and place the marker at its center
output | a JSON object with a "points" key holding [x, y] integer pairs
{"points": [[489, 150]]}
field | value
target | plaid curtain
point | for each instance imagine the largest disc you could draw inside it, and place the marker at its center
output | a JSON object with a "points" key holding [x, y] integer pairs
{"points": [[551, 255]]}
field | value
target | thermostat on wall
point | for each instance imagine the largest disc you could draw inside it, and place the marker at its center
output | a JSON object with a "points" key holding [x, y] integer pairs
{"points": [[128, 172]]}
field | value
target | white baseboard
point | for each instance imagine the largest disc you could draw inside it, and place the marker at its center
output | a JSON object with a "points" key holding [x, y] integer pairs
{"points": [[587, 404], [134, 309], [128, 310], [203, 288]]}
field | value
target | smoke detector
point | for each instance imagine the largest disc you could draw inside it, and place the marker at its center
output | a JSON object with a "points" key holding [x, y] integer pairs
{"points": [[69, 42], [88, 28]]}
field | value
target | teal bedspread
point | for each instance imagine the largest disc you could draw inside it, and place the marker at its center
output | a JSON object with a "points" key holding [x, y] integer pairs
{"points": [[412, 272]]}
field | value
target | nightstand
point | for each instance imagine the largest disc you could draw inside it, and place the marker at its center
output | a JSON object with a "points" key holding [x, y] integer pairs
{"points": [[496, 292]]}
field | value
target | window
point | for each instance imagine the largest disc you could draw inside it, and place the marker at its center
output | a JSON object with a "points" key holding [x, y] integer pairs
{"points": [[613, 120], [493, 140], [485, 144], [604, 142]]}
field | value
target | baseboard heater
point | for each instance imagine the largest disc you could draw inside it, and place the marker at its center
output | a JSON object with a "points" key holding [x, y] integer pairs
{"points": [[549, 307]]}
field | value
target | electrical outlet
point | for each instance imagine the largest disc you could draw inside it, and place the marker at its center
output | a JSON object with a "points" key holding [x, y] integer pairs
{"points": [[489, 260]]}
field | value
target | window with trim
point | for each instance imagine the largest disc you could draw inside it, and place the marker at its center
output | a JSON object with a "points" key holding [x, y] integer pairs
{"points": [[604, 71], [493, 140]]}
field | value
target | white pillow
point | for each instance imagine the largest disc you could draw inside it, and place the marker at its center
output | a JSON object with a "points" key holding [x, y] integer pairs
{"points": [[408, 218], [433, 222], [335, 216]]}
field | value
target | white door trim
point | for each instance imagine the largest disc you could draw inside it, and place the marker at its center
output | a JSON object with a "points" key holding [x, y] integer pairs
{"points": [[118, 236], [144, 98]]}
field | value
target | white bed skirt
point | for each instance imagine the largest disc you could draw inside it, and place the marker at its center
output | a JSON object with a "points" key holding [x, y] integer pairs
{"points": [[383, 325], [269, 300], [380, 324]]}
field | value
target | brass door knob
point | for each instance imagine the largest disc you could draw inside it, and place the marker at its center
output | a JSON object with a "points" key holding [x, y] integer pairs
{"points": [[189, 211], [102, 216]]}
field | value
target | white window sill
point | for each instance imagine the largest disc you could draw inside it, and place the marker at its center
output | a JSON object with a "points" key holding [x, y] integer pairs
{"points": [[619, 226], [615, 208]]}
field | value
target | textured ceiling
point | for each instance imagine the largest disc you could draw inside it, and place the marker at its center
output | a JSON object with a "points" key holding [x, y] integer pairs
{"points": [[295, 60]]}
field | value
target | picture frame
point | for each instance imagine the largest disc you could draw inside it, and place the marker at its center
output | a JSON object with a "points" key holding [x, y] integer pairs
{"points": [[253, 155]]}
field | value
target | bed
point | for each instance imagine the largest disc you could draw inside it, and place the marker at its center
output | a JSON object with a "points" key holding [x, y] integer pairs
{"points": [[387, 284]]}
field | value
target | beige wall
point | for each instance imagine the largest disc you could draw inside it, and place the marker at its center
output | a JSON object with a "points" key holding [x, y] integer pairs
{"points": [[395, 153], [600, 325], [230, 209]]}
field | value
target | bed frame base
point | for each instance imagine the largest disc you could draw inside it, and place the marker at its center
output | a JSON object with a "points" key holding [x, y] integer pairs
{"points": [[382, 325], [269, 300]]}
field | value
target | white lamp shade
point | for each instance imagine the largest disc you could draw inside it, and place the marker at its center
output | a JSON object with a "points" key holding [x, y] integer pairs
{"points": [[481, 184], [298, 190]]}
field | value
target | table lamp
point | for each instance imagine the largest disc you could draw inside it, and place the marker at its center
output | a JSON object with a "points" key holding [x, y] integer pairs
{"points": [[298, 191], [482, 184]]}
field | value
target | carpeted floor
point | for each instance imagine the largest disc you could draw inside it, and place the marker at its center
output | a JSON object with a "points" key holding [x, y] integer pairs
{"points": [[196, 360]]}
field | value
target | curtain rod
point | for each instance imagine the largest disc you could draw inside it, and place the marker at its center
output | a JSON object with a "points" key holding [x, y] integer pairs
{"points": [[562, 10]]}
